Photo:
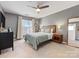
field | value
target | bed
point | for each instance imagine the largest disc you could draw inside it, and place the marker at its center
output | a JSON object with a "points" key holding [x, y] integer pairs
{"points": [[36, 38]]}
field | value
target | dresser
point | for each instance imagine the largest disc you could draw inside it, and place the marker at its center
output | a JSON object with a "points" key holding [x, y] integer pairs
{"points": [[57, 38], [6, 40]]}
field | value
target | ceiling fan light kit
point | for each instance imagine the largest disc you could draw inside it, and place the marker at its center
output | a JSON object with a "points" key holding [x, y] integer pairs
{"points": [[38, 10]]}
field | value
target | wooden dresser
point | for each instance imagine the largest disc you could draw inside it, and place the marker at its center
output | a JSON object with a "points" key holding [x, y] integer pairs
{"points": [[57, 38]]}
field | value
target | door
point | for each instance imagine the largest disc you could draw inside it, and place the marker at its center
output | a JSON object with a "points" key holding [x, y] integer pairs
{"points": [[72, 35]]}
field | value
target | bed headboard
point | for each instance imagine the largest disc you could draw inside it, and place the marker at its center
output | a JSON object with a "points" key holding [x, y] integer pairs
{"points": [[50, 27]]}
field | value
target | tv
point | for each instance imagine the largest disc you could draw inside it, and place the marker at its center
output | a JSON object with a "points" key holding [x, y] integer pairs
{"points": [[2, 20]]}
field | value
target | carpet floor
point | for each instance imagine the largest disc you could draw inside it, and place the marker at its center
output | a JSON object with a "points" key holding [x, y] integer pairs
{"points": [[46, 50]]}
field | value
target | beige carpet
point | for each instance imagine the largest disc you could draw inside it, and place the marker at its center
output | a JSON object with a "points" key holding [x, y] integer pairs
{"points": [[47, 50]]}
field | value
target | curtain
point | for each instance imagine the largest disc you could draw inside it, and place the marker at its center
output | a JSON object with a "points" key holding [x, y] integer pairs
{"points": [[35, 26], [19, 27]]}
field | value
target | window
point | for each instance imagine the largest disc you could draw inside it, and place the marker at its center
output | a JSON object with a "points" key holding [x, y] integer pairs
{"points": [[27, 26], [70, 27]]}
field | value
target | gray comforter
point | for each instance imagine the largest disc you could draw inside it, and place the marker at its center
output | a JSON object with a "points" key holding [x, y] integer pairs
{"points": [[36, 38]]}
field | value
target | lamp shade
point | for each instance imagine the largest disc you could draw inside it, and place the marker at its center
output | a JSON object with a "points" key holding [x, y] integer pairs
{"points": [[51, 30]]}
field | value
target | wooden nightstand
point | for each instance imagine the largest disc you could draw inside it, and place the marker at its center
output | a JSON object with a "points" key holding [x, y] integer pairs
{"points": [[57, 38]]}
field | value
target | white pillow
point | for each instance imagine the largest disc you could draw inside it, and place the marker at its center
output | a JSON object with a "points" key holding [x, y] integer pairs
{"points": [[42, 30], [47, 30]]}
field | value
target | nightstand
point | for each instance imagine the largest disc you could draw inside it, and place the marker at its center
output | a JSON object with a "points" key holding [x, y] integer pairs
{"points": [[57, 38]]}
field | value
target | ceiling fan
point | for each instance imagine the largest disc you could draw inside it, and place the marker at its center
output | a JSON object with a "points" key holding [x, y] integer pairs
{"points": [[38, 7]]}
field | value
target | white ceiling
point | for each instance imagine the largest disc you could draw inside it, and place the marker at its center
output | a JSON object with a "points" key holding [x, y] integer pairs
{"points": [[20, 7]]}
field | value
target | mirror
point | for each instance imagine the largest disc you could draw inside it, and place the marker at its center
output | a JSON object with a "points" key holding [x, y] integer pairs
{"points": [[73, 32]]}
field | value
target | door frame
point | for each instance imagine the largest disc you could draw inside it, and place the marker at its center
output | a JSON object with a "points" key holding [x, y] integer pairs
{"points": [[67, 27]]}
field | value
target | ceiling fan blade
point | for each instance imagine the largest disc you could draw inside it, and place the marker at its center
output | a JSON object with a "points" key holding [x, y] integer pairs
{"points": [[37, 6], [44, 7], [32, 7]]}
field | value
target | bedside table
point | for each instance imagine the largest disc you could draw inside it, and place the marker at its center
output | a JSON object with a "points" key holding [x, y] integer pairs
{"points": [[57, 38]]}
